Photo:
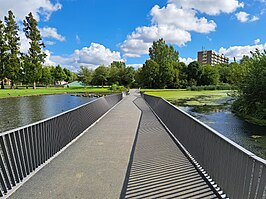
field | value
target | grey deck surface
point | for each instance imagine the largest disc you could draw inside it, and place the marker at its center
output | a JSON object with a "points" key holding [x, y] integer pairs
{"points": [[112, 158], [158, 168], [92, 167]]}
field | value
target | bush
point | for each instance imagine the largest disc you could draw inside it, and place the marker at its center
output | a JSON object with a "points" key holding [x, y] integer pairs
{"points": [[211, 87]]}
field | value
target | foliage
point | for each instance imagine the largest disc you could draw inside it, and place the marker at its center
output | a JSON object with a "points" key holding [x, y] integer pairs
{"points": [[194, 72], [58, 74], [150, 74], [35, 56], [12, 66], [46, 77], [252, 92], [100, 75], [3, 52], [85, 75], [165, 56], [209, 75]]}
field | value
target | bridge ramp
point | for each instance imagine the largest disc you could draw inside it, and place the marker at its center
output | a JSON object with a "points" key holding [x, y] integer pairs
{"points": [[128, 154]]}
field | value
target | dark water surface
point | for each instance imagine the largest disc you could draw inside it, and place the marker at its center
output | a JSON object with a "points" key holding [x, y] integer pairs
{"points": [[249, 136], [17, 112]]}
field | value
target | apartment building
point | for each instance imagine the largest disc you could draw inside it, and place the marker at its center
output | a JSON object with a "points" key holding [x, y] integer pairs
{"points": [[211, 57]]}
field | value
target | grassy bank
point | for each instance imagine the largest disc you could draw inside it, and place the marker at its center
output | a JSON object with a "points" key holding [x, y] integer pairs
{"points": [[190, 98], [5, 93]]}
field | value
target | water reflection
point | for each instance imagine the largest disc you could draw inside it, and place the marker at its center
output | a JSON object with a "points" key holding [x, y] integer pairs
{"points": [[250, 136], [17, 112]]}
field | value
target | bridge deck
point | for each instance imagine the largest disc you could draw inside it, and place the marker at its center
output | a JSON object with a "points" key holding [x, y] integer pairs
{"points": [[127, 154]]}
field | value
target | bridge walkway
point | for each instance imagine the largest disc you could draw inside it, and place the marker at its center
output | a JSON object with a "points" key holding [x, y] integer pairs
{"points": [[128, 154]]}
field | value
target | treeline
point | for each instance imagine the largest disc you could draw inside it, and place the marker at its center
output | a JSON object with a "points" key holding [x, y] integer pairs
{"points": [[115, 74], [163, 70], [14, 65]]}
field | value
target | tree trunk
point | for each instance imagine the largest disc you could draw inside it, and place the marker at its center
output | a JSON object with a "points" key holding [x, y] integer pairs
{"points": [[12, 85], [2, 84], [34, 85]]}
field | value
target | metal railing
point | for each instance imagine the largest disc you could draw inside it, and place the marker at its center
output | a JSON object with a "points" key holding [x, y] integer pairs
{"points": [[24, 149], [239, 173]]}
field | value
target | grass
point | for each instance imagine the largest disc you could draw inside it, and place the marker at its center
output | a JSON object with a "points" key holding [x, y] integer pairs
{"points": [[5, 93], [190, 98]]}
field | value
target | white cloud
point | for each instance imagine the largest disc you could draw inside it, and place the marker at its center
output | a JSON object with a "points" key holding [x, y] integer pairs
{"points": [[92, 57], [51, 33], [171, 23], [186, 60], [135, 66], [24, 42], [181, 18], [21, 8], [210, 7], [50, 43], [256, 41], [245, 17], [48, 61], [239, 51]]}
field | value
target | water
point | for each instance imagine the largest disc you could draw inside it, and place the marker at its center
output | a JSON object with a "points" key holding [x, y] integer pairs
{"points": [[249, 136], [17, 112]]}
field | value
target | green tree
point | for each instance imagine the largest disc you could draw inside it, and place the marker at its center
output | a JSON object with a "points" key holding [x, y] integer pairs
{"points": [[46, 77], [165, 56], [58, 74], [13, 64], [3, 53], [85, 75], [68, 75], [209, 76], [183, 78], [100, 75], [252, 92], [224, 72], [35, 54], [150, 74], [194, 73]]}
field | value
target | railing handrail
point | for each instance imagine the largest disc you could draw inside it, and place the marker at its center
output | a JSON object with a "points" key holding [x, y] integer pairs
{"points": [[239, 172], [24, 149], [244, 150], [52, 117]]}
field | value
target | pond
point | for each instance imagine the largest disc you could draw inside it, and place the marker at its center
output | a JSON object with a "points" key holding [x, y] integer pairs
{"points": [[220, 118], [21, 111]]}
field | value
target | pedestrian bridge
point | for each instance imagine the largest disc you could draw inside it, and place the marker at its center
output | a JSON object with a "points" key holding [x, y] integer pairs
{"points": [[126, 147]]}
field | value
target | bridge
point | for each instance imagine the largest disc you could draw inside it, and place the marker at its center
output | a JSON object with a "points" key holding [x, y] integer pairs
{"points": [[134, 146]]}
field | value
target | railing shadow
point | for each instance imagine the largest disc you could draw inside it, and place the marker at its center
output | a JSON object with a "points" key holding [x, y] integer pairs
{"points": [[157, 168]]}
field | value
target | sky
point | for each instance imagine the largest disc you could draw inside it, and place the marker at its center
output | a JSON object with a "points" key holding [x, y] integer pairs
{"points": [[96, 32]]}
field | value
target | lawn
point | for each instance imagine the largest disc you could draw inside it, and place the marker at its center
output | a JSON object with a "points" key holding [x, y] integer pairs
{"points": [[185, 97], [4, 93]]}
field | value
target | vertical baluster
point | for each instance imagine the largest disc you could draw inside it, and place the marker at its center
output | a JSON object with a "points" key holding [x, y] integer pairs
{"points": [[7, 161], [6, 184]]}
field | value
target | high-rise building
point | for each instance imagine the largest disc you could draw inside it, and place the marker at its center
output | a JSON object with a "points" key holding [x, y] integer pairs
{"points": [[211, 57]]}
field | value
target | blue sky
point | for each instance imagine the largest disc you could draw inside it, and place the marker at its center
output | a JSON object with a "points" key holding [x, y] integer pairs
{"points": [[95, 32]]}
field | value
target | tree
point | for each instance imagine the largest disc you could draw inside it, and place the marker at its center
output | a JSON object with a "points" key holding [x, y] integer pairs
{"points": [[150, 74], [194, 73], [35, 54], [85, 75], [164, 56], [68, 75], [209, 76], [58, 74], [3, 53], [100, 75], [183, 78], [12, 66], [252, 92], [46, 77]]}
